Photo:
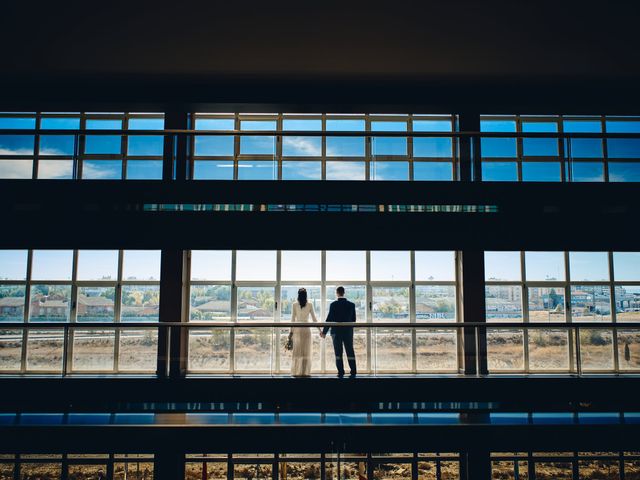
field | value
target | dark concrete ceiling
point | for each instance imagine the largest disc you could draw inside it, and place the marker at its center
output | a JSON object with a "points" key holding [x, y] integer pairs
{"points": [[341, 52]]}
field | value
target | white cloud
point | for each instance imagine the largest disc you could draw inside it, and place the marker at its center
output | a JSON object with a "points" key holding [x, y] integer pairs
{"points": [[11, 169], [302, 146], [16, 151]]}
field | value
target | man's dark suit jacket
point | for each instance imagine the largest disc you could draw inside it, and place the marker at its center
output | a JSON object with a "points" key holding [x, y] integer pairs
{"points": [[341, 310]]}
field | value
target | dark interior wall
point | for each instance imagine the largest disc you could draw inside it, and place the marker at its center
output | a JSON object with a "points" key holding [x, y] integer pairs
{"points": [[573, 56]]}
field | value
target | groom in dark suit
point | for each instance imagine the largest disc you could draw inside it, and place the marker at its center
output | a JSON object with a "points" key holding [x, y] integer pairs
{"points": [[342, 310]]}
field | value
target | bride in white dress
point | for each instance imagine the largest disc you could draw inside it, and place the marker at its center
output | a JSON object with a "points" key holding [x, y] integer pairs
{"points": [[301, 337]]}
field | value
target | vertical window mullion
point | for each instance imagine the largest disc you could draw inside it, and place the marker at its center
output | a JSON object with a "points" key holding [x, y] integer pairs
{"points": [[568, 314], [412, 311], [27, 308], [367, 149], [124, 146], [278, 310], [36, 147], [605, 148], [612, 309], [278, 149], [117, 311], [369, 312], [234, 313], [67, 352], [525, 310], [323, 304], [410, 146]]}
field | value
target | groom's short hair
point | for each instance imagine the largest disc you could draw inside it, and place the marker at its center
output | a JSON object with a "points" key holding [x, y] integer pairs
{"points": [[340, 290]]}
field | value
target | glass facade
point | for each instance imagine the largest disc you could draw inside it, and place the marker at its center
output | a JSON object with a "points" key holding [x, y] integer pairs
{"points": [[243, 286], [561, 287], [57, 287]]}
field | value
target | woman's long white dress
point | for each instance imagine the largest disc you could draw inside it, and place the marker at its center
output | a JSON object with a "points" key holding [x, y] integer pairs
{"points": [[302, 351]]}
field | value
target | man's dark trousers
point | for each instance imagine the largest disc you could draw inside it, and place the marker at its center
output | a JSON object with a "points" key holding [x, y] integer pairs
{"points": [[343, 337]]}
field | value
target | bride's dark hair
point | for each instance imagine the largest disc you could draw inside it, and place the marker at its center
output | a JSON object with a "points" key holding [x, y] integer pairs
{"points": [[302, 297]]}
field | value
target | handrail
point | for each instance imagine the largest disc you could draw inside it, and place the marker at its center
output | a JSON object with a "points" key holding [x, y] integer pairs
{"points": [[254, 324], [316, 133]]}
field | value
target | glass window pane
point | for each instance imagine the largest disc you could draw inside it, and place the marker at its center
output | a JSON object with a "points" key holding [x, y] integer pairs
{"points": [[624, 172], [626, 266], [213, 170], [102, 169], [140, 303], [95, 304], [433, 171], [12, 169], [623, 126], [503, 303], [257, 170], [436, 302], [501, 266], [50, 303], [586, 171], [544, 266], [584, 148], [302, 146], [432, 147], [215, 124], [12, 298], [582, 126], [590, 303], [390, 304], [144, 170], [501, 125], [22, 123], [541, 172], [97, 265], [146, 123], [13, 264], [499, 172], [211, 265], [623, 148], [345, 170], [141, 265], [546, 304], [346, 265], [498, 147], [93, 350], [257, 145], [256, 303], [44, 354], [388, 145], [57, 145], [52, 264], [62, 123], [345, 146], [300, 265], [103, 144], [214, 146], [16, 144], [389, 170], [55, 169], [588, 266], [210, 350], [387, 265], [540, 147], [435, 266], [210, 302], [354, 293], [255, 265], [628, 306], [102, 124], [147, 145], [301, 170]]}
